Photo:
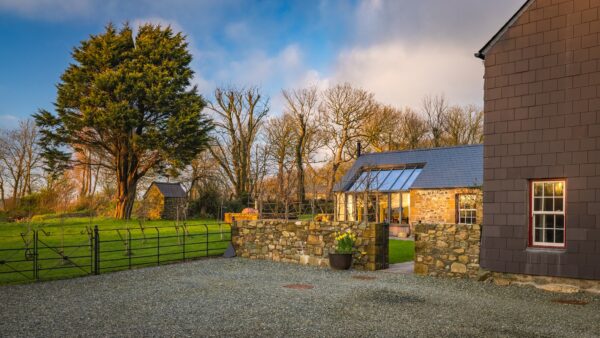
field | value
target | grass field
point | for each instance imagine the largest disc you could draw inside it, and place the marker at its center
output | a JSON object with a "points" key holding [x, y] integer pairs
{"points": [[401, 251], [64, 246]]}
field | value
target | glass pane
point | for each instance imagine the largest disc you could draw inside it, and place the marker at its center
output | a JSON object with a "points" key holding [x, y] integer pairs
{"points": [[548, 205], [549, 222], [412, 179], [559, 236], [558, 189], [537, 236], [538, 189], [558, 204], [390, 179], [370, 183], [397, 186], [358, 184], [380, 178], [549, 235], [548, 189], [537, 204], [560, 221], [537, 221]]}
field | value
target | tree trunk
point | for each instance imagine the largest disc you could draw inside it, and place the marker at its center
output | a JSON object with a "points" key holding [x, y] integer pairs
{"points": [[127, 178], [126, 191], [331, 183], [300, 174]]}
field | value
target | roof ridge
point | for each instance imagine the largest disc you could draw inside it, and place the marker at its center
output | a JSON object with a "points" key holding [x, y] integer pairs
{"points": [[424, 149]]}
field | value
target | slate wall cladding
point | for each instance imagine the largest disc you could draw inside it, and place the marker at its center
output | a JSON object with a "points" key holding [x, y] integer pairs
{"points": [[309, 243], [542, 120], [447, 250]]}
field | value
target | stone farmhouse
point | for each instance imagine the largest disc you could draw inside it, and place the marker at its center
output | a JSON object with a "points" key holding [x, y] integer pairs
{"points": [[165, 200], [542, 142], [404, 188]]}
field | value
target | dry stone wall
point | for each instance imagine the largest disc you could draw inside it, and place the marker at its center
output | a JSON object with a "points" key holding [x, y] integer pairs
{"points": [[308, 242], [447, 250]]}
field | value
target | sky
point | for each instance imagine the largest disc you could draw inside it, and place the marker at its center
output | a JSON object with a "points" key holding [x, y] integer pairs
{"points": [[401, 50]]}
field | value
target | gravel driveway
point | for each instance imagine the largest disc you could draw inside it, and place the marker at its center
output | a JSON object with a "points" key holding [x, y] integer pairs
{"points": [[239, 297]]}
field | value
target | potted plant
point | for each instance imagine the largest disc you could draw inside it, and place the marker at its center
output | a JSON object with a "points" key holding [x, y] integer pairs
{"points": [[342, 258]]}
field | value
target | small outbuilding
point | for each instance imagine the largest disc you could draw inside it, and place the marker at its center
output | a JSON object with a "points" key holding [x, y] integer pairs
{"points": [[165, 200], [401, 188]]}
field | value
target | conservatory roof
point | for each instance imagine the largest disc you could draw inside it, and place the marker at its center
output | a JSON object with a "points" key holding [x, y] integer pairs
{"points": [[449, 167]]}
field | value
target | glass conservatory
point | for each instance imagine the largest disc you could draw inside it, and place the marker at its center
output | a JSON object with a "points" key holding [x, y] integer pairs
{"points": [[378, 195]]}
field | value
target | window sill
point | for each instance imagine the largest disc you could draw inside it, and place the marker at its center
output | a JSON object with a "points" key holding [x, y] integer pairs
{"points": [[559, 250]]}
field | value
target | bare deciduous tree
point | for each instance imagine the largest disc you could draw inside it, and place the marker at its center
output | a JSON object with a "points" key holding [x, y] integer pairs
{"points": [[464, 125], [435, 109], [413, 129], [239, 115], [343, 111], [20, 157], [302, 105], [381, 131], [280, 137]]}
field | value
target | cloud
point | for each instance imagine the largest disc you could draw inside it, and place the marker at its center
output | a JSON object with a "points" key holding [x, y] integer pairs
{"points": [[8, 121], [401, 74], [48, 9], [155, 20]]}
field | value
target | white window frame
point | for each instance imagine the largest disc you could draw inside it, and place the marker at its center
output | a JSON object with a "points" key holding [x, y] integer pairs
{"points": [[474, 209], [533, 213]]}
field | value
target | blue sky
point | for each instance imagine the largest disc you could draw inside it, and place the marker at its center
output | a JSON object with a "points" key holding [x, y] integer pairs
{"points": [[399, 49]]}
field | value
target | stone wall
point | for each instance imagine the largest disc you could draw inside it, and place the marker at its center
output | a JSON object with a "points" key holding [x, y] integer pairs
{"points": [[309, 242], [439, 205], [447, 250]]}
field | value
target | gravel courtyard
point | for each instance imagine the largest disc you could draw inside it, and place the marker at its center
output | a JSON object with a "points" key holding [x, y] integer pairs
{"points": [[239, 297]]}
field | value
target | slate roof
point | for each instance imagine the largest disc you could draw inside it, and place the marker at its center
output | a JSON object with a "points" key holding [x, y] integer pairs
{"points": [[170, 190], [448, 167]]}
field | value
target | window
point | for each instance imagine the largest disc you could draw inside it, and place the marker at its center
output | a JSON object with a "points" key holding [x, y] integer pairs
{"points": [[548, 213], [467, 209]]}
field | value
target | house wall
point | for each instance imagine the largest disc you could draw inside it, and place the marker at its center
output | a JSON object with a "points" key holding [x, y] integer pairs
{"points": [[542, 120], [153, 204], [438, 205]]}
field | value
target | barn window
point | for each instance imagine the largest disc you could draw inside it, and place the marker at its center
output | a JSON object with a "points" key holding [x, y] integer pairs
{"points": [[548, 213], [467, 209]]}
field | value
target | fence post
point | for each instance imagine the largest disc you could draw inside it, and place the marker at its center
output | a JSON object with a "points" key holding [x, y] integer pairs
{"points": [[183, 234], [206, 227], [129, 247], [96, 250], [157, 246], [35, 256]]}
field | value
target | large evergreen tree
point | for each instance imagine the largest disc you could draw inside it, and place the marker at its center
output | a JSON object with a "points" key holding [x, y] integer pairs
{"points": [[128, 99]]}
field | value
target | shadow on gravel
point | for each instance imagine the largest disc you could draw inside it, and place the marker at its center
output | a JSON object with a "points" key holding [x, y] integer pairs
{"points": [[388, 297]]}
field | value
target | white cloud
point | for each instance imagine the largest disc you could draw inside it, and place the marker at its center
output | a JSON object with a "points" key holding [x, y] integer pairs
{"points": [[155, 20], [401, 75], [48, 9], [8, 121]]}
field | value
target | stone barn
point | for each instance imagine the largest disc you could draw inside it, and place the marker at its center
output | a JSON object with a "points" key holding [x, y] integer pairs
{"points": [[164, 200], [404, 188]]}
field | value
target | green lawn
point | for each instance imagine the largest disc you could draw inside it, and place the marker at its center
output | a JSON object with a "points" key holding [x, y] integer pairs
{"points": [[401, 251], [64, 248]]}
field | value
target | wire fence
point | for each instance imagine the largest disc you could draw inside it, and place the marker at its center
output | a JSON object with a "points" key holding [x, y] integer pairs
{"points": [[43, 255]]}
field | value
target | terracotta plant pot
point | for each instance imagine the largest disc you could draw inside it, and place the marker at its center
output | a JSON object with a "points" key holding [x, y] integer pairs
{"points": [[340, 261]]}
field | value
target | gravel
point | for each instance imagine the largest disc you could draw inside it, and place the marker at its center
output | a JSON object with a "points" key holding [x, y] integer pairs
{"points": [[239, 297]]}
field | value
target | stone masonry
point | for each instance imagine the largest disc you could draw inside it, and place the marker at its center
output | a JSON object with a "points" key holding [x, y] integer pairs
{"points": [[447, 250], [308, 242], [439, 205]]}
